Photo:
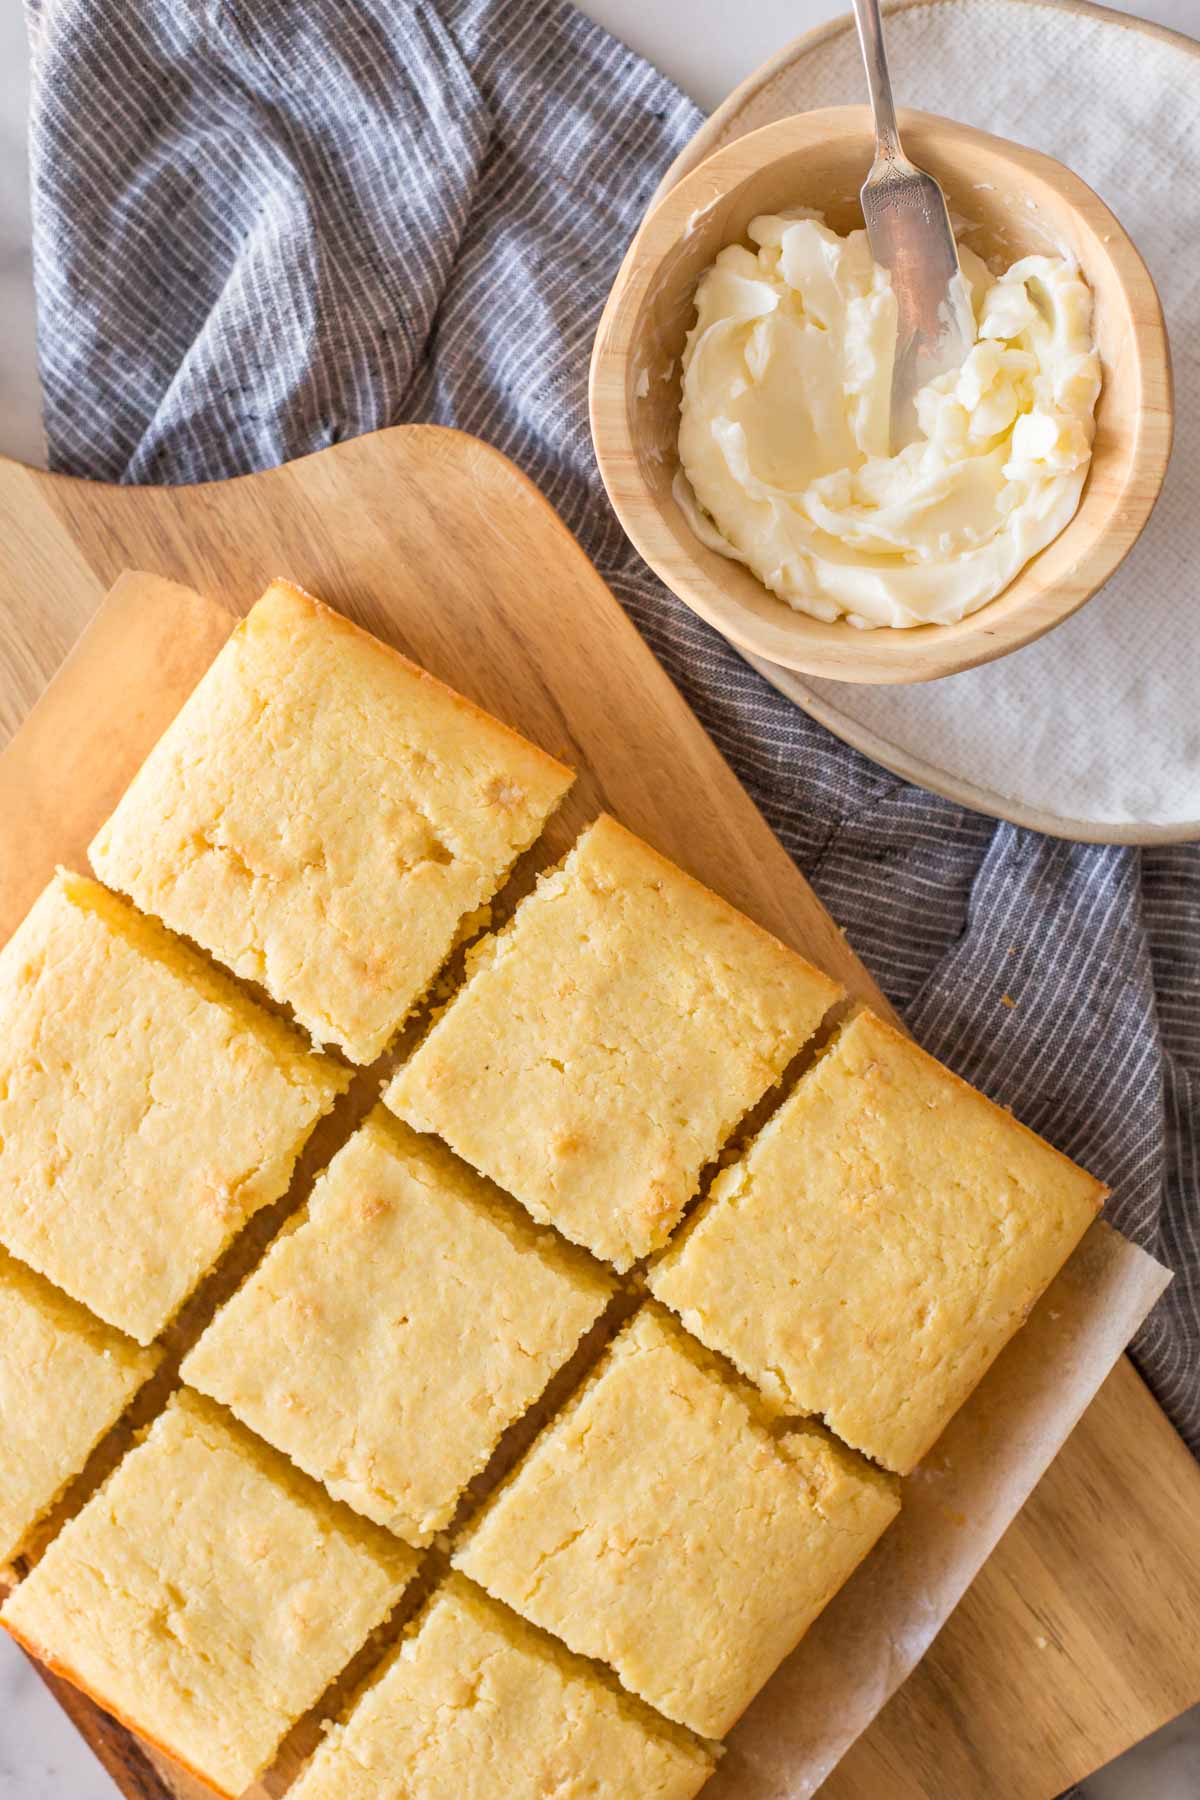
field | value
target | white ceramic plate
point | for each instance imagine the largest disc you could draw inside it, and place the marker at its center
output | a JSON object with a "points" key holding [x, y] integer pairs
{"points": [[1093, 732]]}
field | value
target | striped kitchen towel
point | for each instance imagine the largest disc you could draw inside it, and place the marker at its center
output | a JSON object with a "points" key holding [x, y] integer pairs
{"points": [[261, 228]]}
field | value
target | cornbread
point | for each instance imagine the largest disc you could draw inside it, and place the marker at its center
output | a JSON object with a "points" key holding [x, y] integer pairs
{"points": [[658, 1525], [878, 1245], [388, 1341], [322, 816], [208, 1594], [64, 1380], [608, 1041], [147, 1108], [476, 1705]]}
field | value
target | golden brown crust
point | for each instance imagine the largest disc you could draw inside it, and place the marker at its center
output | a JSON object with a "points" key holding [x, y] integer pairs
{"points": [[145, 1103], [65, 1380], [338, 622], [660, 1526], [209, 1592], [66, 1673], [335, 1348], [901, 1041], [475, 1697], [878, 1243], [609, 1040], [321, 816]]}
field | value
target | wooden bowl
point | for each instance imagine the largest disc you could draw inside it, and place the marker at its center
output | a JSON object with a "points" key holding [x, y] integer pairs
{"points": [[1017, 201]]}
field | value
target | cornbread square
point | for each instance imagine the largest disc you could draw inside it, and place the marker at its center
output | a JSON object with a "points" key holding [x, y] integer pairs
{"points": [[608, 1041], [387, 1341], [64, 1380], [477, 1705], [322, 816], [878, 1244], [147, 1108], [208, 1594], [659, 1525]]}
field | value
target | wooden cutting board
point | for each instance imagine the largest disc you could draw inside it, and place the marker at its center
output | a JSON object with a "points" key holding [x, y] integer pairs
{"points": [[1082, 1633]]}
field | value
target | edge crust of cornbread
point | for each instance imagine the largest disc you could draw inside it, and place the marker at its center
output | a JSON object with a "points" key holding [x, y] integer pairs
{"points": [[396, 1329], [477, 1704], [147, 1107], [322, 815], [878, 1244], [607, 1042], [65, 1380], [208, 1593], [663, 1526]]}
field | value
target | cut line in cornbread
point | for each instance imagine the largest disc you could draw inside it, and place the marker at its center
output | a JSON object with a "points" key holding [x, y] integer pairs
{"points": [[662, 1527], [322, 816], [147, 1107], [476, 1704], [65, 1379], [208, 1594], [878, 1244], [608, 1041], [391, 1336]]}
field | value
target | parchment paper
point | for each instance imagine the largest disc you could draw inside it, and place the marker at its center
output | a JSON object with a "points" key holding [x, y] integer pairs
{"points": [[60, 776]]}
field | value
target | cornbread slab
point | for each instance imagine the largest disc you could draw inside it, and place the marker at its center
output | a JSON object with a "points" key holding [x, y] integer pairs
{"points": [[208, 1594], [477, 1705], [530, 651], [65, 1379], [878, 1244], [659, 1525], [147, 1108], [322, 816], [608, 1041], [387, 1340]]}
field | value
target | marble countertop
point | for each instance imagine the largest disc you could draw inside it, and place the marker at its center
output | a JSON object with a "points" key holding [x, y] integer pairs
{"points": [[41, 1756]]}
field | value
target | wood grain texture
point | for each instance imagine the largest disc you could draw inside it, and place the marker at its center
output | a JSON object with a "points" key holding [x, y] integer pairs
{"points": [[1019, 201], [440, 546], [125, 1757]]}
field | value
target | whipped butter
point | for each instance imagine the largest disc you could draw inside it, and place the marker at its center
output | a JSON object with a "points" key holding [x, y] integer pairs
{"points": [[784, 428]]}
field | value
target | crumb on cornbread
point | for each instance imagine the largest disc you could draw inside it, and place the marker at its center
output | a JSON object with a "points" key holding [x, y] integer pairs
{"points": [[208, 1594], [65, 1379], [478, 1705], [147, 1108], [322, 815], [608, 1041], [878, 1244], [660, 1526], [389, 1339]]}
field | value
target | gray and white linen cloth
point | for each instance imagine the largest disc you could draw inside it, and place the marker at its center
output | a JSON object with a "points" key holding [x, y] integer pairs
{"points": [[263, 227]]}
